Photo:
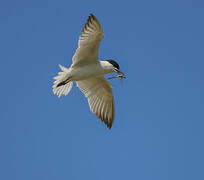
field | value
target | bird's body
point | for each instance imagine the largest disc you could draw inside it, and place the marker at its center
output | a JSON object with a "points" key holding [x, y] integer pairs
{"points": [[94, 69], [88, 73]]}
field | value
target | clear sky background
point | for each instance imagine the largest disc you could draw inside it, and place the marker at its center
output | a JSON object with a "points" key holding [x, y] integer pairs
{"points": [[158, 129]]}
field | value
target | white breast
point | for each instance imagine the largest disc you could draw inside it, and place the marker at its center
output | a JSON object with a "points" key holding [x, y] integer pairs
{"points": [[90, 70]]}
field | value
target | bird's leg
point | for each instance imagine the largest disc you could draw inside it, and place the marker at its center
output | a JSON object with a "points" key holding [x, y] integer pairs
{"points": [[63, 82]]}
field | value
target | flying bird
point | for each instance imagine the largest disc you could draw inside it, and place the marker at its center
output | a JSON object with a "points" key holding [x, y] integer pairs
{"points": [[88, 73]]}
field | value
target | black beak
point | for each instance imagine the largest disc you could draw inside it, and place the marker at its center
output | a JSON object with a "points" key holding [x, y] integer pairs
{"points": [[121, 74]]}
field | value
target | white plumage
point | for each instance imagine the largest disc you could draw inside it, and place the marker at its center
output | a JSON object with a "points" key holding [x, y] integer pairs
{"points": [[65, 89], [88, 72]]}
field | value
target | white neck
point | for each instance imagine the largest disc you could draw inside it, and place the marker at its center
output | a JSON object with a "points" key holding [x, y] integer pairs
{"points": [[107, 66]]}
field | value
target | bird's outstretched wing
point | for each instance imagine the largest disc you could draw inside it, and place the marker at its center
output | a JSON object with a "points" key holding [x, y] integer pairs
{"points": [[99, 93], [89, 42]]}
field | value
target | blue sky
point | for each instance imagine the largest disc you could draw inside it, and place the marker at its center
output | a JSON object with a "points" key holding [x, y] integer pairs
{"points": [[158, 130]]}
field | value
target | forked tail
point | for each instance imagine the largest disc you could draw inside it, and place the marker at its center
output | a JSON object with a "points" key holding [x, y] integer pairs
{"points": [[62, 84]]}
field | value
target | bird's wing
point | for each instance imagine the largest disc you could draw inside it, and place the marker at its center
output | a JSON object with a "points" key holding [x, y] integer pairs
{"points": [[99, 93], [89, 42]]}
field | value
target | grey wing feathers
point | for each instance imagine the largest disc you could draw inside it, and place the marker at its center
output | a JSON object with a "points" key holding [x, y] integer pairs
{"points": [[99, 93], [92, 32], [89, 41]]}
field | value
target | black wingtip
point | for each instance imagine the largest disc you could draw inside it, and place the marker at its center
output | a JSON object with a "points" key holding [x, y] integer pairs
{"points": [[109, 126], [92, 16]]}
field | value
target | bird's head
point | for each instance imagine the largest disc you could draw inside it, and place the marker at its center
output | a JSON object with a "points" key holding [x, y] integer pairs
{"points": [[116, 68]]}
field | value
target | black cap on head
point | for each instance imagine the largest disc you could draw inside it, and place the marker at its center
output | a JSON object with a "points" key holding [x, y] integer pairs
{"points": [[114, 63]]}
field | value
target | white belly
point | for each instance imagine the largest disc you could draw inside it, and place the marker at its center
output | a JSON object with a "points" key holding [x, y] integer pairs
{"points": [[84, 72]]}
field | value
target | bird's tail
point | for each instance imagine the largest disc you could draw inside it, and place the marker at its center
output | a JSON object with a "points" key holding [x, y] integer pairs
{"points": [[62, 84]]}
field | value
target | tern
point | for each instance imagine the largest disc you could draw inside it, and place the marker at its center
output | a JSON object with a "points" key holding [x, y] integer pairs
{"points": [[88, 73]]}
